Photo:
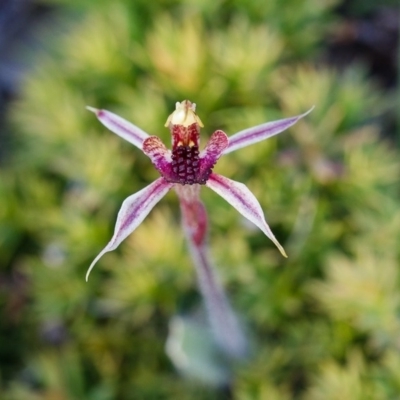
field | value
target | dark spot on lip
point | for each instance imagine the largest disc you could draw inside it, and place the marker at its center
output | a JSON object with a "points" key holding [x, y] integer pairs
{"points": [[186, 166]]}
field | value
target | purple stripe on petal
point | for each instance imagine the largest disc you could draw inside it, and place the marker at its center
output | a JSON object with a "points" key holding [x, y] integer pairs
{"points": [[160, 156], [240, 197], [217, 143], [133, 211], [121, 127], [261, 132]]}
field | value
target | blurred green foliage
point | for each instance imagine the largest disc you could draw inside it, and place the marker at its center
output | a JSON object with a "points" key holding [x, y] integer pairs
{"points": [[324, 324]]}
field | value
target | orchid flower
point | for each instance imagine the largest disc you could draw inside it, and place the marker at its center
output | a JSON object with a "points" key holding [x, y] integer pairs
{"points": [[186, 168]]}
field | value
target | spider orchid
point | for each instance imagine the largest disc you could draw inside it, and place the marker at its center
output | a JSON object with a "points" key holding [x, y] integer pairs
{"points": [[185, 168]]}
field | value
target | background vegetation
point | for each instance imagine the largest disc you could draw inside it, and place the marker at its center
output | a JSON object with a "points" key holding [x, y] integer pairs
{"points": [[324, 324]]}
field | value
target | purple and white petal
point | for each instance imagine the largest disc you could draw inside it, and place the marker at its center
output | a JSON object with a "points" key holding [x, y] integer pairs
{"points": [[215, 146], [160, 156], [121, 127], [133, 211], [240, 197], [261, 132]]}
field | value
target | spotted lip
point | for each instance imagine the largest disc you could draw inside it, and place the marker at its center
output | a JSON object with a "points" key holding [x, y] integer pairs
{"points": [[187, 168], [185, 164]]}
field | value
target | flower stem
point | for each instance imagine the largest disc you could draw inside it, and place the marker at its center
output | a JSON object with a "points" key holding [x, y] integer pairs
{"points": [[223, 321], [225, 326]]}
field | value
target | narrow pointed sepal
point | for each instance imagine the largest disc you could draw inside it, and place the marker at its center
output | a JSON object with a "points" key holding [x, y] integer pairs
{"points": [[133, 211], [239, 196], [121, 127], [261, 132]]}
